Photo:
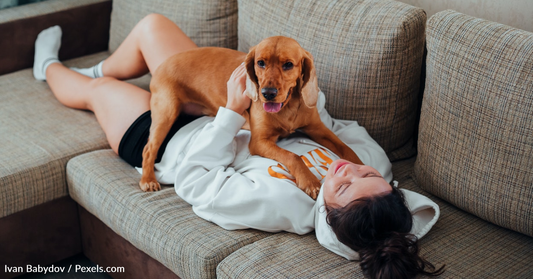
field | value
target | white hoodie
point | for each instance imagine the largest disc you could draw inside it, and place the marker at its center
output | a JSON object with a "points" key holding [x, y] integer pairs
{"points": [[209, 163]]}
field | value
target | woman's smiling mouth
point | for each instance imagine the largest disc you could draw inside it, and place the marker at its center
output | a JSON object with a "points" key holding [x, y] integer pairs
{"points": [[339, 166]]}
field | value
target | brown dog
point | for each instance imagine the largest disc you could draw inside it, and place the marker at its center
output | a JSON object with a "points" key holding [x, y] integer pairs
{"points": [[282, 84]]}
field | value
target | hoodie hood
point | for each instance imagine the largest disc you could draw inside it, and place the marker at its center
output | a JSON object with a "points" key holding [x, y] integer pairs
{"points": [[425, 214]]}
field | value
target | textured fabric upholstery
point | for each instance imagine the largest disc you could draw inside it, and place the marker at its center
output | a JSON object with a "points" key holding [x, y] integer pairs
{"points": [[476, 130], [158, 223], [39, 136], [206, 22], [469, 246], [368, 56]]}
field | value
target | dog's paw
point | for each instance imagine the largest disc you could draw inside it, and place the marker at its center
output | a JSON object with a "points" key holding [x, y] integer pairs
{"points": [[311, 187], [150, 186], [312, 192]]}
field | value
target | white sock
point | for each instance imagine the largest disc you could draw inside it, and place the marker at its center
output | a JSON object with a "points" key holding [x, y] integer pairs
{"points": [[46, 51], [92, 72]]}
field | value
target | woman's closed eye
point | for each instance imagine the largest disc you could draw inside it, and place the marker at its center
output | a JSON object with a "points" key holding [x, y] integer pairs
{"points": [[345, 185], [371, 174]]}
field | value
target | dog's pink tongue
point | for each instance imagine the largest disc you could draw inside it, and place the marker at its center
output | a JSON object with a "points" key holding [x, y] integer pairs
{"points": [[272, 107]]}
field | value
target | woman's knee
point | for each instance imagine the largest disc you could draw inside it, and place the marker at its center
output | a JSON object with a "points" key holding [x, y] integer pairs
{"points": [[154, 23]]}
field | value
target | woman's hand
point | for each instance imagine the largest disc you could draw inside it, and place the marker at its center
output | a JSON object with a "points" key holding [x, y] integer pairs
{"points": [[237, 99]]}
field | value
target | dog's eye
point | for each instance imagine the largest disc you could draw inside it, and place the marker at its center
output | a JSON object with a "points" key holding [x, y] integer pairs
{"points": [[287, 66], [261, 63]]}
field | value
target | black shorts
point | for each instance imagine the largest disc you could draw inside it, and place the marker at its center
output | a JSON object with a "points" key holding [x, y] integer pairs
{"points": [[132, 143]]}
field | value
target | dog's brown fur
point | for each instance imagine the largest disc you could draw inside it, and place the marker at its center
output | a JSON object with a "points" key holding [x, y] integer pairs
{"points": [[199, 76]]}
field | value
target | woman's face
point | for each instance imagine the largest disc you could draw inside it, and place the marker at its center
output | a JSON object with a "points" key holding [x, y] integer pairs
{"points": [[346, 181]]}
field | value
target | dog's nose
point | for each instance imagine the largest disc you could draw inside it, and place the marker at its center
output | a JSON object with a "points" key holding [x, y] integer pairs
{"points": [[269, 93]]}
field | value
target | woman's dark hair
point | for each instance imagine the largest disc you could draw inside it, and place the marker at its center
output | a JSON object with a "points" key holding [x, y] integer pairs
{"points": [[378, 227]]}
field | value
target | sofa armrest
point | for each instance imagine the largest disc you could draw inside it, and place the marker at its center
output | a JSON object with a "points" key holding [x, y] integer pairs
{"points": [[85, 25]]}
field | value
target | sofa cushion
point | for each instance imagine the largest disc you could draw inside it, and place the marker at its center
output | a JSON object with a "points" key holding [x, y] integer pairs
{"points": [[476, 129], [206, 22], [368, 56], [469, 246], [159, 223], [39, 135]]}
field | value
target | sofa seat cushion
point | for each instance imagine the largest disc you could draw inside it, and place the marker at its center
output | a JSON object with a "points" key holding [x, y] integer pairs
{"points": [[368, 56], [206, 22], [469, 246], [39, 135], [476, 128], [159, 223]]}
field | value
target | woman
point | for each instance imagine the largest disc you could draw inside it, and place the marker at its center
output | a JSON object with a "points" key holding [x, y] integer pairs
{"points": [[358, 214]]}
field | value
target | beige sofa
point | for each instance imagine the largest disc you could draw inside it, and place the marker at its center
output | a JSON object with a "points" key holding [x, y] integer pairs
{"points": [[449, 99]]}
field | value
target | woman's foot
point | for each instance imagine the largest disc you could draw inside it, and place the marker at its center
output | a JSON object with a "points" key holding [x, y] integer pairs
{"points": [[46, 51]]}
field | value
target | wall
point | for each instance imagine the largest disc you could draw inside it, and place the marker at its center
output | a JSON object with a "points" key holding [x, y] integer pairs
{"points": [[516, 13]]}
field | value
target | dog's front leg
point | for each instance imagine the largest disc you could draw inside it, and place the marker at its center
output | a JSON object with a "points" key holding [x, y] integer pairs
{"points": [[319, 133], [305, 179]]}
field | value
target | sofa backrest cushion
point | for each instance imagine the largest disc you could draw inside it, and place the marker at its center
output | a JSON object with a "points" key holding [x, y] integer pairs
{"points": [[206, 22], [476, 128], [368, 56]]}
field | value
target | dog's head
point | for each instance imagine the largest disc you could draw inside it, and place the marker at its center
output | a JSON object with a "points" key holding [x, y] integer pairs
{"points": [[278, 69]]}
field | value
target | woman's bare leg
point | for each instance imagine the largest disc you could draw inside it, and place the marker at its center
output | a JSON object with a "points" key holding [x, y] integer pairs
{"points": [[154, 39], [116, 104]]}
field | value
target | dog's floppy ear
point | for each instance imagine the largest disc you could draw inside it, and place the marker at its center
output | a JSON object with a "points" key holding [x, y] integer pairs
{"points": [[309, 83], [252, 84]]}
